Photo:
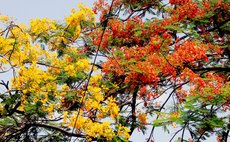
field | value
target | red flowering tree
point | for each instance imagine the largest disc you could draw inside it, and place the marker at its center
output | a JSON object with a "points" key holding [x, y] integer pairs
{"points": [[177, 49], [153, 63]]}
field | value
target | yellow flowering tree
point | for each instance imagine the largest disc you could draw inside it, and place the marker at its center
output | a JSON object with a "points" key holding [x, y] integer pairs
{"points": [[55, 92]]}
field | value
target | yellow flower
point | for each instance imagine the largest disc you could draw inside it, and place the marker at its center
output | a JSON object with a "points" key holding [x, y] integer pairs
{"points": [[20, 34], [4, 18], [42, 25], [65, 87], [104, 87], [82, 64], [83, 14], [95, 78], [123, 132], [94, 105], [79, 123], [174, 115], [70, 70], [113, 108], [174, 125], [94, 91], [21, 108], [1, 107], [65, 113]]}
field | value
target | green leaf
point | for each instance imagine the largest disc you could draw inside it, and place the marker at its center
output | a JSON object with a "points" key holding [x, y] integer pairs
{"points": [[31, 108], [159, 122], [8, 121], [173, 28]]}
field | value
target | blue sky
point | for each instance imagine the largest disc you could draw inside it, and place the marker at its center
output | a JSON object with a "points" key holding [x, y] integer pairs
{"points": [[23, 10]]}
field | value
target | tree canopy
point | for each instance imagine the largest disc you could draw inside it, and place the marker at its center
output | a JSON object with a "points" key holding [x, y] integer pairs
{"points": [[143, 63]]}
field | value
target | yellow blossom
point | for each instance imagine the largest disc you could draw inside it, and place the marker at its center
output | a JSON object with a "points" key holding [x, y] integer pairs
{"points": [[4, 18], [65, 116], [113, 108], [42, 25], [82, 64], [70, 70], [123, 132], [65, 87], [174, 115], [1, 108], [21, 108], [174, 125], [95, 78]]}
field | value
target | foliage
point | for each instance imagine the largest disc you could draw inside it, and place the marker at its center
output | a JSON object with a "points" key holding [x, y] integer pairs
{"points": [[163, 64]]}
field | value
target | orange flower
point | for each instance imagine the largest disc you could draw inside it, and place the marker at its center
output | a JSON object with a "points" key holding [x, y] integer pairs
{"points": [[142, 117]]}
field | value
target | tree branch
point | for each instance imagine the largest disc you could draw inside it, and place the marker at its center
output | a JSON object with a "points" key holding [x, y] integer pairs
{"points": [[133, 106], [57, 129]]}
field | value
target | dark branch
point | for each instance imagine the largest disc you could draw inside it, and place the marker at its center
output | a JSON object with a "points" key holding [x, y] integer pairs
{"points": [[56, 129], [133, 107]]}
